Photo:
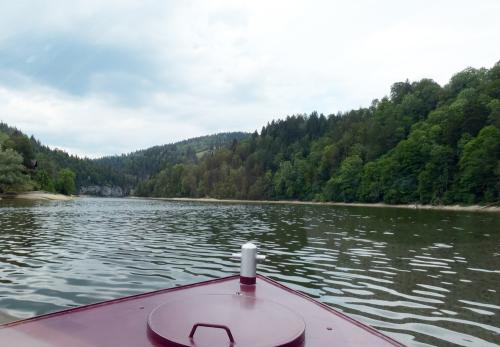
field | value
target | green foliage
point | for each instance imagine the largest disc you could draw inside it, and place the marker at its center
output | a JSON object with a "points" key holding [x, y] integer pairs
{"points": [[22, 145], [344, 184], [422, 144], [127, 171], [66, 182], [434, 178], [494, 117], [143, 164], [479, 167], [44, 181], [371, 188], [3, 138], [12, 177]]}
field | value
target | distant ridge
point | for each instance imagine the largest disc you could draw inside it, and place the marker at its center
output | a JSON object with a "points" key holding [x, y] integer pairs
{"points": [[123, 171]]}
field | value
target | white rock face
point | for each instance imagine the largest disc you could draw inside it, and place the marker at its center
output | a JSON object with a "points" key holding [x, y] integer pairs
{"points": [[106, 191]]}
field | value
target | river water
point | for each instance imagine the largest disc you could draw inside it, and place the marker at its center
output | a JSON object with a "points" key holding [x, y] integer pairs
{"points": [[422, 277]]}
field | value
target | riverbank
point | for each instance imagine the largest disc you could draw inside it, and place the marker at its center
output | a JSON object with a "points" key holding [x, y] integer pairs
{"points": [[470, 208], [37, 195]]}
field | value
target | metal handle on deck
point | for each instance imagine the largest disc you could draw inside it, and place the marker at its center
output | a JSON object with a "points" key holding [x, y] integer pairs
{"points": [[209, 325]]}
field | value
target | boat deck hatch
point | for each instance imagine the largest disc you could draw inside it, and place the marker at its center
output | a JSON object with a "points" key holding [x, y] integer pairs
{"points": [[235, 311], [226, 320], [216, 313]]}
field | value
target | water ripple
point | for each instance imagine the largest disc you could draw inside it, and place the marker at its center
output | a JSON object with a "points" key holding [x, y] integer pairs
{"points": [[424, 277]]}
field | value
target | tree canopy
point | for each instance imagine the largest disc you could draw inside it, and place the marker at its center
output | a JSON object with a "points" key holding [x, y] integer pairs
{"points": [[424, 143]]}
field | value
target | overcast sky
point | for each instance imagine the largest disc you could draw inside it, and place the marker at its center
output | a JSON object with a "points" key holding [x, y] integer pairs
{"points": [[98, 79]]}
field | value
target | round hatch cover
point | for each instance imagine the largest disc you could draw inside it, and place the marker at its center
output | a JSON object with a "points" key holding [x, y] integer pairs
{"points": [[226, 320]]}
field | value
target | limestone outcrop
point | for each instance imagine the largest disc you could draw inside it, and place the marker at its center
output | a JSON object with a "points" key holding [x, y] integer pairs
{"points": [[106, 191]]}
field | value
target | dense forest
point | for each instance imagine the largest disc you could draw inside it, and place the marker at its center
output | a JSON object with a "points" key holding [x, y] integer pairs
{"points": [[424, 143], [26, 164], [142, 164]]}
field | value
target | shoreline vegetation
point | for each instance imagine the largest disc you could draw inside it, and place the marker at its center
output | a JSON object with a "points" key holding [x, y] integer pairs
{"points": [[469, 208]]}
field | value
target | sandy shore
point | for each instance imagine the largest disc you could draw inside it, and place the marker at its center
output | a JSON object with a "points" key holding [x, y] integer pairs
{"points": [[40, 195], [470, 208]]}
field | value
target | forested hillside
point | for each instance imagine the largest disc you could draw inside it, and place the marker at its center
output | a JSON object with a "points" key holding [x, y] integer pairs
{"points": [[57, 171], [424, 143], [145, 163]]}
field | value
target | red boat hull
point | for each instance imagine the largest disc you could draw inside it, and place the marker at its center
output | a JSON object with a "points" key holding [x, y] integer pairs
{"points": [[127, 321]]}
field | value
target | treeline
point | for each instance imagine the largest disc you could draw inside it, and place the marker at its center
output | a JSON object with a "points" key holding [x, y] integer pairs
{"points": [[422, 144], [143, 164], [18, 166], [26, 164]]}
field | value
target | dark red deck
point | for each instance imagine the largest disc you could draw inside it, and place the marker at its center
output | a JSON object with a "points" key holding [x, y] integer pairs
{"points": [[124, 322]]}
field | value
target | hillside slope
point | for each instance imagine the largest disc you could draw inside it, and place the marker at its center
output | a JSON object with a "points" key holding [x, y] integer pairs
{"points": [[55, 167], [424, 143]]}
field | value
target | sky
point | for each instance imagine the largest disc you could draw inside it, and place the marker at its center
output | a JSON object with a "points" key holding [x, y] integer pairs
{"points": [[108, 77]]}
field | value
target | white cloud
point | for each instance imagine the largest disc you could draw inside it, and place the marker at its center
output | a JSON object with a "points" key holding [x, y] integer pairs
{"points": [[190, 68], [88, 126]]}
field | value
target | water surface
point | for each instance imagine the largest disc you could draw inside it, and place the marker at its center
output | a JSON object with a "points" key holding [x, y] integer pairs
{"points": [[422, 277]]}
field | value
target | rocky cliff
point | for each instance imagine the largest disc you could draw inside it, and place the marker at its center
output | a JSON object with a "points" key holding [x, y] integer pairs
{"points": [[106, 191]]}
